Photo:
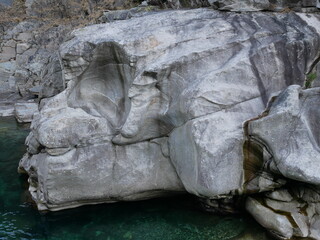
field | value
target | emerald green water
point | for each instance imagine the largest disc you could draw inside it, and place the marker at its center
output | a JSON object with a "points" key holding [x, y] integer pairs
{"points": [[161, 219]]}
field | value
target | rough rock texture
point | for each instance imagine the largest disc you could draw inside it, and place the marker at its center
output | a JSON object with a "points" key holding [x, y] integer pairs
{"points": [[142, 10], [269, 5], [172, 87], [70, 8], [289, 213], [307, 6], [28, 59], [52, 78], [6, 2]]}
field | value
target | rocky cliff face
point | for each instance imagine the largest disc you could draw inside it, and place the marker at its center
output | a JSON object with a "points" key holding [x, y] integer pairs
{"points": [[30, 35], [158, 104]]}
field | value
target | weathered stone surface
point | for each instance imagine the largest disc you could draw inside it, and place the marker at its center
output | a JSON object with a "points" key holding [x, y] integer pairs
{"points": [[6, 109], [22, 47], [6, 71], [6, 2], [7, 102], [243, 5], [295, 218], [290, 131], [269, 5], [100, 173], [111, 16], [190, 78], [29, 52], [177, 4], [277, 224], [7, 53], [24, 111], [51, 78]]}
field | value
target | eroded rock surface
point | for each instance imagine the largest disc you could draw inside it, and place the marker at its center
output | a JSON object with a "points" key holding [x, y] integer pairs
{"points": [[161, 99]]}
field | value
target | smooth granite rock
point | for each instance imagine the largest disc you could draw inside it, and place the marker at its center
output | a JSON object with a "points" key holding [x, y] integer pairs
{"points": [[173, 87], [290, 130]]}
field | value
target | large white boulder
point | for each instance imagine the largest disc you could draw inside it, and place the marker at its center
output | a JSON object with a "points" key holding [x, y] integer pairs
{"points": [[169, 90]]}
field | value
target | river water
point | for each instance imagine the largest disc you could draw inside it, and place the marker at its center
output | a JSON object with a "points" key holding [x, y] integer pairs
{"points": [[160, 219]]}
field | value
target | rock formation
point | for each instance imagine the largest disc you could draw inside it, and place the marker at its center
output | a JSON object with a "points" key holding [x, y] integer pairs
{"points": [[203, 101], [288, 213], [288, 133], [162, 98], [268, 5]]}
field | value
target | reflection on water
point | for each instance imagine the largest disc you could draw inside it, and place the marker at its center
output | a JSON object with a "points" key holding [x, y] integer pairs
{"points": [[160, 219]]}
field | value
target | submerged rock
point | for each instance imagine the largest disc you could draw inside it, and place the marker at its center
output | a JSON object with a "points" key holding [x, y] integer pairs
{"points": [[160, 99]]}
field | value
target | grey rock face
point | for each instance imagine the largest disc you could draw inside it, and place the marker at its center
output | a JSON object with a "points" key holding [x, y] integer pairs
{"points": [[177, 85], [24, 111], [111, 16], [307, 6], [100, 173], [6, 71], [29, 65], [288, 214], [269, 5], [176, 4], [288, 138], [6, 2], [290, 131], [52, 79]]}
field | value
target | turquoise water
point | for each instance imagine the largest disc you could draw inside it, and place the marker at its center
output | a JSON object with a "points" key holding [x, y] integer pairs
{"points": [[161, 219]]}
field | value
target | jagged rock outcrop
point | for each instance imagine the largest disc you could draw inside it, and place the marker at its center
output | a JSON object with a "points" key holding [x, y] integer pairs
{"points": [[154, 100]]}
